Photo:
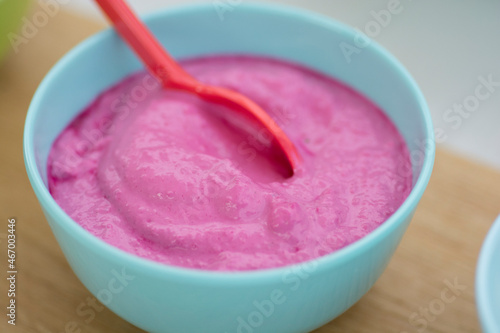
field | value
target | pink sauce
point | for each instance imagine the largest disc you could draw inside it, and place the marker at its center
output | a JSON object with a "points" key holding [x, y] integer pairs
{"points": [[155, 173]]}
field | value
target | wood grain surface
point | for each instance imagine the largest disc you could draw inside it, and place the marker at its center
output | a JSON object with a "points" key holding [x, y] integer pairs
{"points": [[413, 295]]}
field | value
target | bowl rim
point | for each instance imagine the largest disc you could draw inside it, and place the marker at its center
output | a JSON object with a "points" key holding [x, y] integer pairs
{"points": [[154, 268], [484, 280]]}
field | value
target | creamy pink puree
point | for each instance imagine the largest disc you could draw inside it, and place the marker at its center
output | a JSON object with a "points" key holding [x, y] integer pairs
{"points": [[155, 173]]}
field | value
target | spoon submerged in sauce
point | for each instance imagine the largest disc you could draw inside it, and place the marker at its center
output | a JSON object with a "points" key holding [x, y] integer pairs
{"points": [[172, 76]]}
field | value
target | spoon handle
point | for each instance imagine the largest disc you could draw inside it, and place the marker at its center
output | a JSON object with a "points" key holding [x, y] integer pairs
{"points": [[146, 46], [171, 75]]}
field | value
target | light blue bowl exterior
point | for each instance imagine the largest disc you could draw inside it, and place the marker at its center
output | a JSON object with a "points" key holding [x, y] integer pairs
{"points": [[488, 281], [161, 298]]}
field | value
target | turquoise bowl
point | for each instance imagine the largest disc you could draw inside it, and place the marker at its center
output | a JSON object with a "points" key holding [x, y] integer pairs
{"points": [[488, 281], [297, 298]]}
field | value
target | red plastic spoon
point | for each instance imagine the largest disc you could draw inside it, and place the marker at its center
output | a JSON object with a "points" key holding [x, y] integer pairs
{"points": [[172, 76]]}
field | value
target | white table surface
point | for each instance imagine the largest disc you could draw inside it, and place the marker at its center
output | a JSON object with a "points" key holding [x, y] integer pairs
{"points": [[446, 45]]}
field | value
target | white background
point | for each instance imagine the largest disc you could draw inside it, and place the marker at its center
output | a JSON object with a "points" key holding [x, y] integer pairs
{"points": [[445, 44]]}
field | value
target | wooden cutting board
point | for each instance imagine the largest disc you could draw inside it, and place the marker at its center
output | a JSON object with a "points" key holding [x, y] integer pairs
{"points": [[440, 248]]}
